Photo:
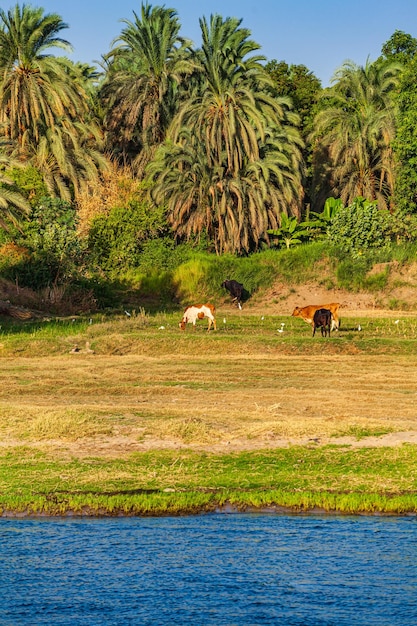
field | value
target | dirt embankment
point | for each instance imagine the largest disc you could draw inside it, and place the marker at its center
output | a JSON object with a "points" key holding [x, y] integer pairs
{"points": [[399, 295]]}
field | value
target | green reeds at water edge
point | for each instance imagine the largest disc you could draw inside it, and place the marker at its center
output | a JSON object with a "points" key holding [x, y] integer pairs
{"points": [[193, 503], [331, 478]]}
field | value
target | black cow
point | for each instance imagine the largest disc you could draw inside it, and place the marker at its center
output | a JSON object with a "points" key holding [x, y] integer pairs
{"points": [[322, 319], [236, 291]]}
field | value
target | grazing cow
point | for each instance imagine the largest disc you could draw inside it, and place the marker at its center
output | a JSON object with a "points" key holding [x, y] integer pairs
{"points": [[236, 291], [198, 312], [322, 318], [307, 313]]}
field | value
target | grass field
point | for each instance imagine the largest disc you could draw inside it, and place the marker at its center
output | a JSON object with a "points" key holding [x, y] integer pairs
{"points": [[103, 416]]}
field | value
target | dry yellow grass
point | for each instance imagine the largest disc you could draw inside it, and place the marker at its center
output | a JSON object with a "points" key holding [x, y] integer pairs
{"points": [[111, 405]]}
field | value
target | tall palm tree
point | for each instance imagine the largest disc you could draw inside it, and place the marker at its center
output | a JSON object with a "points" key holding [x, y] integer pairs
{"points": [[143, 73], [43, 100], [34, 88], [356, 126], [235, 162]]}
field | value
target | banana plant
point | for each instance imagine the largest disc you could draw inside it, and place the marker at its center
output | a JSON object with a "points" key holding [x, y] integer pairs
{"points": [[291, 232], [324, 219]]}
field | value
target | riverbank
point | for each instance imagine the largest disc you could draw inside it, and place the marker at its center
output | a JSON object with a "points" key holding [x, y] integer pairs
{"points": [[177, 482], [142, 419]]}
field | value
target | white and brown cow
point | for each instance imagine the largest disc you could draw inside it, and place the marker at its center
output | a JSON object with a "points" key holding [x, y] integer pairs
{"points": [[199, 312]]}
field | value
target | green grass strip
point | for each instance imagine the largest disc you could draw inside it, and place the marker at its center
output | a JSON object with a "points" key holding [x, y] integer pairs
{"points": [[331, 478]]}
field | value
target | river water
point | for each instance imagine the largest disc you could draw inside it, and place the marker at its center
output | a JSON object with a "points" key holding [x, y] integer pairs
{"points": [[223, 569]]}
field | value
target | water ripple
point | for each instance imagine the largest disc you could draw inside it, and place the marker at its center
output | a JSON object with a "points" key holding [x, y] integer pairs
{"points": [[215, 569]]}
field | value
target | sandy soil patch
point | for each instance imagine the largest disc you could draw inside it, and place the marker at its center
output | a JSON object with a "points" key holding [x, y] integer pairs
{"points": [[281, 300], [116, 446]]}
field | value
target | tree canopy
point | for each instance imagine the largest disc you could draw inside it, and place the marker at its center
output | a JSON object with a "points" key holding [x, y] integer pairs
{"points": [[227, 147]]}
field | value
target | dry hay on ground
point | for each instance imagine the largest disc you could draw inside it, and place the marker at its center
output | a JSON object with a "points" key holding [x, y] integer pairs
{"points": [[112, 406]]}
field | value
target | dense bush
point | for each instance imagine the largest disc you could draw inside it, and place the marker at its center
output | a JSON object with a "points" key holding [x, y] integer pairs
{"points": [[29, 182], [360, 227], [50, 250], [116, 240]]}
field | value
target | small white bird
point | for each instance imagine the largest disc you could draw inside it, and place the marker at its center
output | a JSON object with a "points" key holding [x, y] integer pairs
{"points": [[239, 305], [127, 313], [90, 321], [359, 327], [396, 321], [224, 320], [263, 317], [161, 328]]}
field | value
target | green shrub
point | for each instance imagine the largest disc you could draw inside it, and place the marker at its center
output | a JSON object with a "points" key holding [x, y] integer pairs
{"points": [[29, 182], [360, 227], [115, 241], [54, 250], [164, 254], [102, 292]]}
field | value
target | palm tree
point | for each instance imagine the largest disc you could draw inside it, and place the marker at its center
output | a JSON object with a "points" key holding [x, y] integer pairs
{"points": [[34, 90], [234, 164], [356, 126], [143, 74], [13, 206], [43, 100], [69, 157]]}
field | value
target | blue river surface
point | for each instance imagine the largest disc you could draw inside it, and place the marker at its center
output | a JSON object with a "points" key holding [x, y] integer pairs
{"points": [[242, 569]]}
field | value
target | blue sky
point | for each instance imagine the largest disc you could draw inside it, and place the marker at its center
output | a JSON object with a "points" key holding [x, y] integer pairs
{"points": [[320, 34]]}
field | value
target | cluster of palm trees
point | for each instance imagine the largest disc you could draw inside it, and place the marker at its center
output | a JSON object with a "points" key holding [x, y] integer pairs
{"points": [[218, 150], [357, 126]]}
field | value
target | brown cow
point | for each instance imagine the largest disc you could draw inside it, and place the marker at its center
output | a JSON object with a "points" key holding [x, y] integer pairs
{"points": [[307, 313]]}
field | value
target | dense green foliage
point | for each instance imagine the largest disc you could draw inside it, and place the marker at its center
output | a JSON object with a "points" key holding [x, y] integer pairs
{"points": [[359, 227], [53, 251], [234, 153], [405, 144], [291, 232], [233, 163], [356, 124], [144, 72], [116, 240], [44, 102]]}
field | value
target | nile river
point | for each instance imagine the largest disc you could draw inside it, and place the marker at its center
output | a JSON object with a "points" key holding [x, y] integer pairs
{"points": [[243, 569]]}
